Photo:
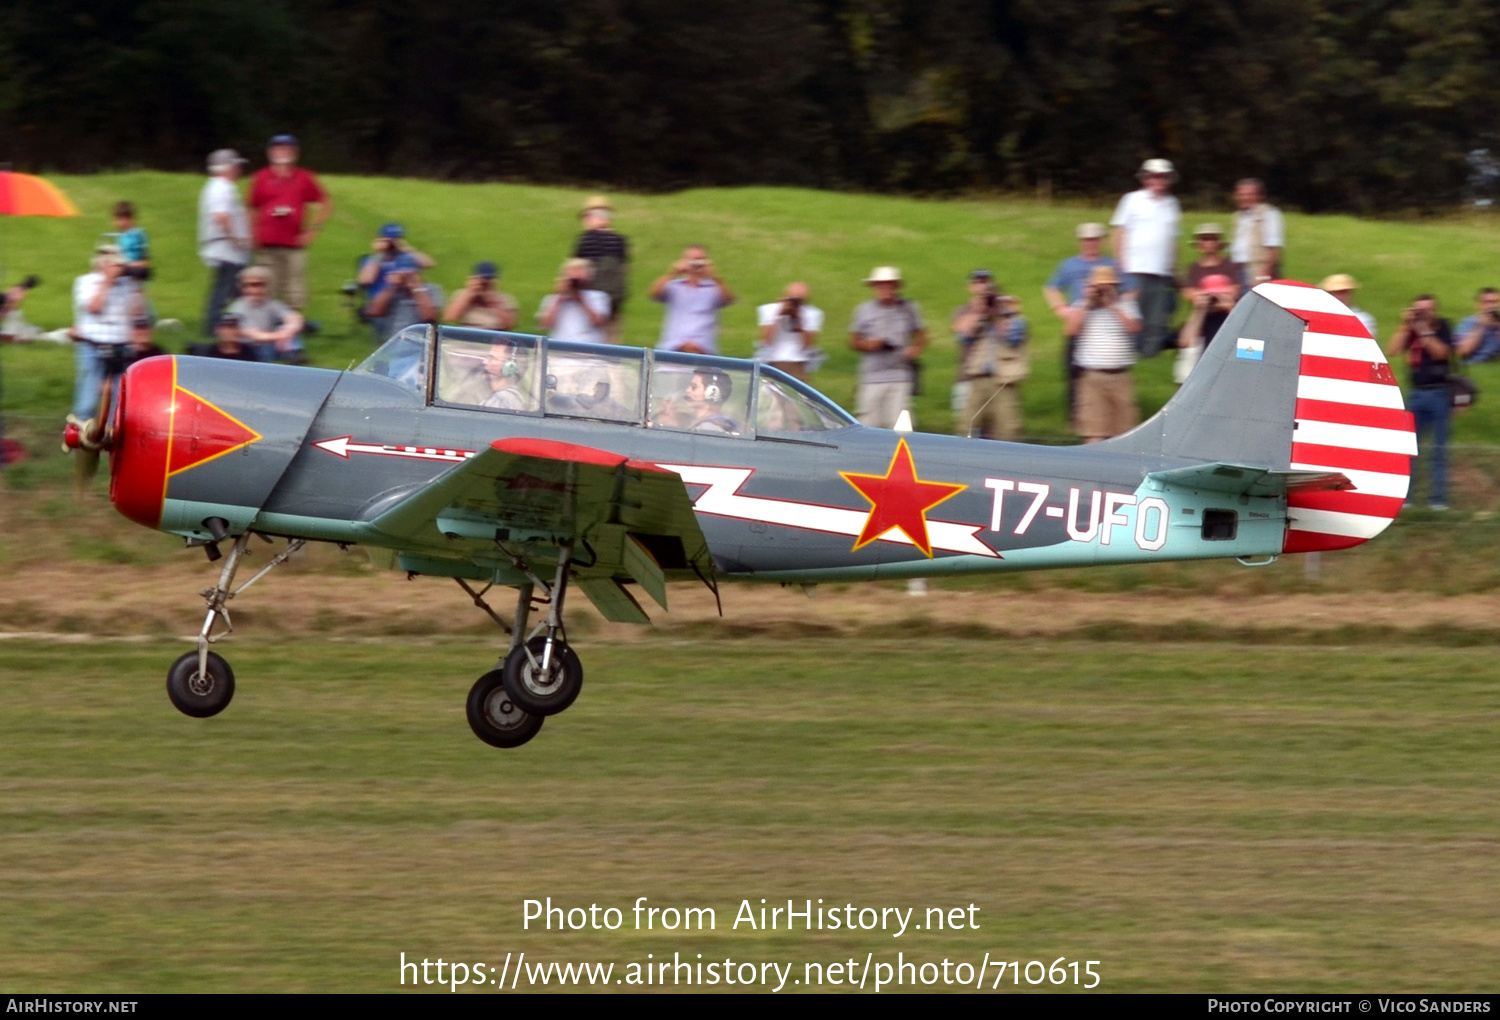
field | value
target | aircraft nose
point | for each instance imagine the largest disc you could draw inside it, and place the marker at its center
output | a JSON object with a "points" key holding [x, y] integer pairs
{"points": [[142, 439]]}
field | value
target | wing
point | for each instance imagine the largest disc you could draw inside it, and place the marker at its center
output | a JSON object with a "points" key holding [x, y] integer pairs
{"points": [[628, 520], [1237, 479]]}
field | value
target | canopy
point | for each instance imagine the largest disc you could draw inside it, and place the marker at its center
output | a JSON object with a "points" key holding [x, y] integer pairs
{"points": [[26, 195]]}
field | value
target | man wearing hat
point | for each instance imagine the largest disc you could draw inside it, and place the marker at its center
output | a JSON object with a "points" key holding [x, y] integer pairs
{"points": [[991, 333], [1066, 286], [1146, 224], [1104, 323], [387, 250], [104, 305], [575, 310], [888, 332], [1343, 286], [223, 231], [228, 344], [608, 253], [479, 304], [280, 194]]}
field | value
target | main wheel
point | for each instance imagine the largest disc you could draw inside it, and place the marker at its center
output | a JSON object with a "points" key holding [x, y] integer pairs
{"points": [[495, 718], [538, 693], [198, 696]]}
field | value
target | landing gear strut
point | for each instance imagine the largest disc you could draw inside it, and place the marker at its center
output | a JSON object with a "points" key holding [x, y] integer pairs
{"points": [[539, 676], [201, 684]]}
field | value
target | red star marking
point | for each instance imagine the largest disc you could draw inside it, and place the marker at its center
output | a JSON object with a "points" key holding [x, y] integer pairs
{"points": [[899, 499]]}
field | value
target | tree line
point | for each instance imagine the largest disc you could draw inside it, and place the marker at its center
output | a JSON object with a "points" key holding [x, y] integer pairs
{"points": [[1359, 105]]}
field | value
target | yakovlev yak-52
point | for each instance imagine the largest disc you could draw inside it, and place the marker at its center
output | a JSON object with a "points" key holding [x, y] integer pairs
{"points": [[499, 459]]}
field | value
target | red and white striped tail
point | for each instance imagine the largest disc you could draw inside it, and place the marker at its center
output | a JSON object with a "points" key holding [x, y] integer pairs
{"points": [[1350, 419]]}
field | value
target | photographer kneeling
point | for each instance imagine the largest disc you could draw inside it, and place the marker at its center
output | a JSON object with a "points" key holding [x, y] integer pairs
{"points": [[1104, 324]]}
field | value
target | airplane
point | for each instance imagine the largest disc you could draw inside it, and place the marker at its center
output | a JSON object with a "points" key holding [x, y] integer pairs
{"points": [[514, 461]]}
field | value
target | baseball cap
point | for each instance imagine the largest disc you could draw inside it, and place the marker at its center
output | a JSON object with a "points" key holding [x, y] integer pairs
{"points": [[1216, 283], [141, 322], [1157, 166], [487, 270], [220, 158], [884, 274], [392, 231], [980, 274], [282, 140], [1089, 231], [1208, 230], [1103, 274], [1339, 282]]}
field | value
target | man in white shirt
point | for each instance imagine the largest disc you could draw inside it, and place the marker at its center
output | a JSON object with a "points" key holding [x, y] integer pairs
{"points": [[574, 310], [103, 308], [1259, 234], [789, 331], [223, 232], [1147, 223]]}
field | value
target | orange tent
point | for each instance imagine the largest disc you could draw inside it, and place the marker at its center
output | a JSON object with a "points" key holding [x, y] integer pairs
{"points": [[26, 195]]}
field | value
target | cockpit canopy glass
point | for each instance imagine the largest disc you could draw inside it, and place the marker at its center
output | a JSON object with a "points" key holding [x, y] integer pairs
{"points": [[593, 381], [786, 408], [692, 393], [483, 369], [402, 358]]}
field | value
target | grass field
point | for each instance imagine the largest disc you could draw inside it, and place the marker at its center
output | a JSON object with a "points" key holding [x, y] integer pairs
{"points": [[1210, 816], [761, 238]]}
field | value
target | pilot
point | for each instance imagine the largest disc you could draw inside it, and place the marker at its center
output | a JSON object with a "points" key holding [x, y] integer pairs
{"points": [[702, 405], [503, 369]]}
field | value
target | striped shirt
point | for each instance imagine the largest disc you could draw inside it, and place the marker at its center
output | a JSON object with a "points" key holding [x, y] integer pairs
{"points": [[1103, 342]]}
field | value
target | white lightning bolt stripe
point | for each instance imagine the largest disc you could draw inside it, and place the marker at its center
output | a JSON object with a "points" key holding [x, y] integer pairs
{"points": [[722, 499]]}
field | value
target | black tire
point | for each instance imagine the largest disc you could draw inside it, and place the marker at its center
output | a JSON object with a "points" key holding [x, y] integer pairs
{"points": [[530, 691], [197, 698], [495, 718]]}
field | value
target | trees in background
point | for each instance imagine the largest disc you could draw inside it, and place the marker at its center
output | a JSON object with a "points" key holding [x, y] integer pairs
{"points": [[1352, 104]]}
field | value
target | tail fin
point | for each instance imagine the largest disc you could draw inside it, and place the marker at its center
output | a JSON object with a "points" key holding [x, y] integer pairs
{"points": [[1294, 381]]}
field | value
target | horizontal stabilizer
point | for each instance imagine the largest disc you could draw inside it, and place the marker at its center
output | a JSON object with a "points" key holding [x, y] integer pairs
{"points": [[1239, 479]]}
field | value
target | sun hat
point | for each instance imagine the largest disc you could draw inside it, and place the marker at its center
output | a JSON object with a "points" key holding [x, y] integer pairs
{"points": [[1103, 274], [884, 274], [1208, 230], [1090, 231], [1157, 166], [1339, 282]]}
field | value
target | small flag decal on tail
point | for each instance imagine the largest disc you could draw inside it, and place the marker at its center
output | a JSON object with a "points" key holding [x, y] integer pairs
{"points": [[1250, 350]]}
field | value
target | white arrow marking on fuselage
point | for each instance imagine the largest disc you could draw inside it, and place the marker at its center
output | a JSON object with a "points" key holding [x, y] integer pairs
{"points": [[342, 447], [722, 499]]}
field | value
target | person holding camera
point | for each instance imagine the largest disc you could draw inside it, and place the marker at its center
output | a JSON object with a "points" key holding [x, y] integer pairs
{"points": [[575, 310], [789, 331], [693, 294], [1104, 323], [280, 194], [1480, 332], [1425, 341], [1213, 299], [386, 252], [104, 305], [991, 334], [889, 334], [405, 300], [223, 231], [478, 303]]}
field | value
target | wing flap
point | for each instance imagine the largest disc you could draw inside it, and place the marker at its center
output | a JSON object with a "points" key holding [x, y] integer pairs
{"points": [[612, 599]]}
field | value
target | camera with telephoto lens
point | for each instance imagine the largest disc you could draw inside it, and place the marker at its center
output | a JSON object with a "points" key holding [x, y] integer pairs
{"points": [[31, 282]]}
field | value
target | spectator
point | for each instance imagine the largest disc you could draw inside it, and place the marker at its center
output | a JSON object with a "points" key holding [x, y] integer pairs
{"points": [[575, 310], [142, 343], [1105, 323], [280, 194], [223, 231], [1208, 238], [1146, 224], [610, 254], [789, 331], [271, 330], [404, 301], [693, 294], [1213, 298], [991, 334], [889, 334], [388, 247], [1066, 286], [1343, 286], [135, 246], [228, 344], [1480, 332], [1425, 340], [1259, 234], [14, 329], [103, 308], [480, 305]]}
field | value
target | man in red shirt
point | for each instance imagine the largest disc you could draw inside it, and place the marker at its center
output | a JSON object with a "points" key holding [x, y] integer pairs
{"points": [[279, 195]]}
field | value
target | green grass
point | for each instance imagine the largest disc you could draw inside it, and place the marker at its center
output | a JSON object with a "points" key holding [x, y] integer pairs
{"points": [[761, 238], [1205, 816]]}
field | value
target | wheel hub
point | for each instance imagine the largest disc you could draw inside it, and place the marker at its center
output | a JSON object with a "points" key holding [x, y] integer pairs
{"points": [[201, 685], [501, 711]]}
